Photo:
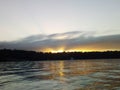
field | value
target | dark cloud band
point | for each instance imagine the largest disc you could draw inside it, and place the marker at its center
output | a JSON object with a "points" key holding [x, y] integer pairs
{"points": [[68, 40]]}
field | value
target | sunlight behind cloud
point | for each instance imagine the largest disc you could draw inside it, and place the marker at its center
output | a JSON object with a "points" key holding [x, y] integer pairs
{"points": [[68, 42], [57, 51]]}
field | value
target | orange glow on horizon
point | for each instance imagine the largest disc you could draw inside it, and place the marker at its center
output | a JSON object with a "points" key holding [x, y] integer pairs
{"points": [[57, 51], [71, 50], [62, 49]]}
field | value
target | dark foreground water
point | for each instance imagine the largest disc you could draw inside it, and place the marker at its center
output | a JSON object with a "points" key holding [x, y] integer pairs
{"points": [[61, 75]]}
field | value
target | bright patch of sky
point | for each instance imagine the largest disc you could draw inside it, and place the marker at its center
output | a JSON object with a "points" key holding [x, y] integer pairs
{"points": [[23, 18]]}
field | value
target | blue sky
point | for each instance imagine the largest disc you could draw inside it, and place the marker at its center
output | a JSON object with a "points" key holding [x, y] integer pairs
{"points": [[21, 19]]}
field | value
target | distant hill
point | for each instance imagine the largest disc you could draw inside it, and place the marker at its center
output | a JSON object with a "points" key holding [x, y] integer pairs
{"points": [[21, 55]]}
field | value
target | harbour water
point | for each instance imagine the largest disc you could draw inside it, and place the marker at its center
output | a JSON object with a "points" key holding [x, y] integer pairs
{"points": [[61, 75]]}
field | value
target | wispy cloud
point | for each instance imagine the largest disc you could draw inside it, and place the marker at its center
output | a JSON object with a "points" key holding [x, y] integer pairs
{"points": [[69, 41]]}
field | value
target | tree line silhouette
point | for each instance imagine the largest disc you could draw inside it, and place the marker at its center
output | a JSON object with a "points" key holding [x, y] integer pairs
{"points": [[22, 55]]}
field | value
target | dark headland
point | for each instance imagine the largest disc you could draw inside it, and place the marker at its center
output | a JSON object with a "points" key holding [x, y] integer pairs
{"points": [[22, 55]]}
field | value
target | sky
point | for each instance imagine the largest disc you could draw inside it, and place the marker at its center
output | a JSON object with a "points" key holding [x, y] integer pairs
{"points": [[58, 25]]}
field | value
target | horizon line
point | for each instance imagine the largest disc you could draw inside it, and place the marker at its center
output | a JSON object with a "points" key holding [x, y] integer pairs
{"points": [[62, 51]]}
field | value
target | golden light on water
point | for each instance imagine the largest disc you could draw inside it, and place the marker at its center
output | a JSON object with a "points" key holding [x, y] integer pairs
{"points": [[77, 68], [61, 65], [57, 70]]}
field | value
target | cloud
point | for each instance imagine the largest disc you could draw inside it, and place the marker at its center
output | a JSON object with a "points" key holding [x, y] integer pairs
{"points": [[68, 41]]}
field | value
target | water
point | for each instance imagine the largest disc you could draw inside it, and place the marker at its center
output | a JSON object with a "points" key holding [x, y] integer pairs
{"points": [[60, 75]]}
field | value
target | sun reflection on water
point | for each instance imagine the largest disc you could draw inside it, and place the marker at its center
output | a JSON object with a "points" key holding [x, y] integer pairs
{"points": [[64, 75]]}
